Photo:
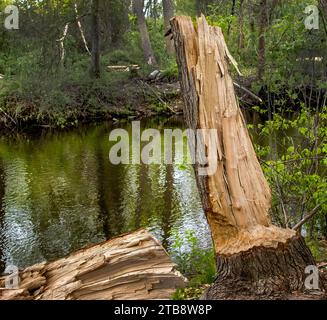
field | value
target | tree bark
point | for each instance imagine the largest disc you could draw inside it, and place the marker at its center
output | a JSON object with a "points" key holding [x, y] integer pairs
{"points": [[263, 21], [254, 258], [95, 35], [241, 38], [232, 14], [168, 13], [323, 6], [138, 7]]}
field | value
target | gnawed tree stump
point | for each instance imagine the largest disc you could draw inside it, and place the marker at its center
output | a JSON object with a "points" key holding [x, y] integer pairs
{"points": [[133, 266], [254, 258]]}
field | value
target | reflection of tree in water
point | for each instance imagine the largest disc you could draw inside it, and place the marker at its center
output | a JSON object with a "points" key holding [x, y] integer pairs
{"points": [[109, 193], [73, 196], [101, 181], [2, 213], [140, 191], [167, 214]]}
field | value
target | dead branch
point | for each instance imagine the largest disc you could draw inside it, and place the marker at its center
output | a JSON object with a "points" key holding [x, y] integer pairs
{"points": [[79, 24], [308, 217]]}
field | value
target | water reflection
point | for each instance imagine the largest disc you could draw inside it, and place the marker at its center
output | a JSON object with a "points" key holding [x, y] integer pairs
{"points": [[59, 192]]}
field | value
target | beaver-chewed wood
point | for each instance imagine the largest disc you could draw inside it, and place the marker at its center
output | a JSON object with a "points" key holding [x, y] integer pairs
{"points": [[254, 257], [133, 266]]}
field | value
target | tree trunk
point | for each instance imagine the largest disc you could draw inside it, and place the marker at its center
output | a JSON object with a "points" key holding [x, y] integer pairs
{"points": [[254, 258], [132, 266], [232, 14], [80, 28], [263, 20], [62, 45], [95, 35], [168, 13], [202, 6], [138, 7], [241, 37], [323, 6]]}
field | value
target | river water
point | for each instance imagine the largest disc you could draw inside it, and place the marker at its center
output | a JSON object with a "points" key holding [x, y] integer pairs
{"points": [[59, 192]]}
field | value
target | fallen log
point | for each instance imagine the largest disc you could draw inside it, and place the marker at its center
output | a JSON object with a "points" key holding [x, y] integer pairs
{"points": [[255, 259], [128, 68], [133, 266]]}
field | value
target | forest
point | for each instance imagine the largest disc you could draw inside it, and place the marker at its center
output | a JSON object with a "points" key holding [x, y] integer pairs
{"points": [[71, 71]]}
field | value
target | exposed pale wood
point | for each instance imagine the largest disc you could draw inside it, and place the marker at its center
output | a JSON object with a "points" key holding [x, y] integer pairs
{"points": [[124, 68], [237, 197], [134, 266], [254, 257], [80, 28], [62, 43]]}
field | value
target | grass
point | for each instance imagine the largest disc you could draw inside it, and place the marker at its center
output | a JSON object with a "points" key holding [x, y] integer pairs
{"points": [[196, 263]]}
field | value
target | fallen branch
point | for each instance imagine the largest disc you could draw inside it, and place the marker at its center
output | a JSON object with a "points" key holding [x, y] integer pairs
{"points": [[309, 216], [8, 116], [123, 68], [159, 98], [248, 92]]}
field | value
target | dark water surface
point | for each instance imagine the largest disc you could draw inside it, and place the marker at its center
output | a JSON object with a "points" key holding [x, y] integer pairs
{"points": [[59, 192]]}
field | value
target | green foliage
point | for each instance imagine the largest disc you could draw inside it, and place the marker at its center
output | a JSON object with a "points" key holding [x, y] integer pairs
{"points": [[193, 261], [189, 293], [186, 7], [289, 47], [318, 249], [121, 57], [293, 154], [171, 72]]}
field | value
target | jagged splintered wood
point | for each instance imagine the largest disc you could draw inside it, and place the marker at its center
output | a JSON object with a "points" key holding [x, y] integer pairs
{"points": [[254, 257], [130, 267]]}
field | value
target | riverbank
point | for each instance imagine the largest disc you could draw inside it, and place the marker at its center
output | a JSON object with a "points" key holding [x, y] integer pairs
{"points": [[71, 103]]}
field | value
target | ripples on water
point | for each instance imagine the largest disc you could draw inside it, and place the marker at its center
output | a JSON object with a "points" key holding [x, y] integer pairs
{"points": [[59, 192]]}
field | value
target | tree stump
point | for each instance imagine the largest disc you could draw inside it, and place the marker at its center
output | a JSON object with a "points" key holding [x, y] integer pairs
{"points": [[255, 259]]}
